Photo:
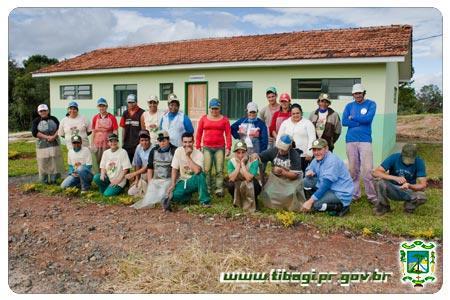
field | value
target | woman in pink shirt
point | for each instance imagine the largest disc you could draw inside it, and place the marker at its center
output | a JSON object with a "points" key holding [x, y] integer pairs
{"points": [[279, 116], [213, 129]]}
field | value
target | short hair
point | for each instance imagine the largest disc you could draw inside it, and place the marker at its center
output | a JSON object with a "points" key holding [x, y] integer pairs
{"points": [[296, 105], [188, 135]]}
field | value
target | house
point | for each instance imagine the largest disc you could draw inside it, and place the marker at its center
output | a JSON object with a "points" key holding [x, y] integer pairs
{"points": [[239, 69]]}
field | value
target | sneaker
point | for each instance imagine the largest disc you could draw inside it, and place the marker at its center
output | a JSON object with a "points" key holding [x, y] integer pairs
{"points": [[206, 205], [166, 204], [343, 211], [220, 194], [381, 210], [84, 192]]}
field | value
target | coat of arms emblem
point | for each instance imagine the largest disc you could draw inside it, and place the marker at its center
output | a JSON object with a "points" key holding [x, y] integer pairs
{"points": [[418, 260]]}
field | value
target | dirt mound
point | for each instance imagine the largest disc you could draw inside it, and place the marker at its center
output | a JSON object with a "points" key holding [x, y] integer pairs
{"points": [[421, 128]]}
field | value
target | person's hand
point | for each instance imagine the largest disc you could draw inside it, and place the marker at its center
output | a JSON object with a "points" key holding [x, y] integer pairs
{"points": [[227, 152], [308, 158], [102, 177], [405, 186], [129, 176], [306, 207], [74, 174], [277, 170], [400, 180], [170, 191], [270, 140], [310, 173], [350, 117], [115, 181]]}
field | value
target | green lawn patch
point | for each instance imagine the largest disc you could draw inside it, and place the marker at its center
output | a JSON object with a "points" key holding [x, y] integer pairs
{"points": [[432, 154]]}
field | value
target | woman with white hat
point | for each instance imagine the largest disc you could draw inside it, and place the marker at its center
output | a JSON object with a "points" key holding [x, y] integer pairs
{"points": [[48, 152]]}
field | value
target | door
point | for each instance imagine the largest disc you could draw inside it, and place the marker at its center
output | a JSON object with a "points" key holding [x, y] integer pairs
{"points": [[196, 101]]}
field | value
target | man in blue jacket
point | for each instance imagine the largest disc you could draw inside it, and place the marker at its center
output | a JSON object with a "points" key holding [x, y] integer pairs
{"points": [[358, 116], [328, 185]]}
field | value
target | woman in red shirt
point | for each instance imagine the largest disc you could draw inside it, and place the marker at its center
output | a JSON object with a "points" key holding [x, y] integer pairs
{"points": [[281, 115], [213, 129]]}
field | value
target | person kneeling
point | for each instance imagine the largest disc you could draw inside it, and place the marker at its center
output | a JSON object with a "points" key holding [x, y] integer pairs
{"points": [[140, 161], [80, 166], [401, 176], [159, 171], [188, 162], [242, 183], [113, 167], [329, 182]]}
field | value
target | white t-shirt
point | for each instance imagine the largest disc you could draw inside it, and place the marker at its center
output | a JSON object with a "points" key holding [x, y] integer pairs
{"points": [[321, 121], [179, 162], [72, 126], [152, 125], [303, 133], [114, 163], [82, 157]]}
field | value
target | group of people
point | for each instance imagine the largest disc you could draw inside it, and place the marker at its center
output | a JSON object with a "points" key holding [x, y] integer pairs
{"points": [[161, 161]]}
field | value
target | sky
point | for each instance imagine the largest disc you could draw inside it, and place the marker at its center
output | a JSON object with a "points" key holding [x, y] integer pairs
{"points": [[68, 32]]}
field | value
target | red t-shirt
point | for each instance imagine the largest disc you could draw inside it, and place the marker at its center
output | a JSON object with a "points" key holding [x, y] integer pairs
{"points": [[113, 119], [212, 132], [278, 118]]}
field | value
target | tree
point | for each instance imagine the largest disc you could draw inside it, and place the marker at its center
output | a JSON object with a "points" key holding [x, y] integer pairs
{"points": [[430, 96], [26, 92], [407, 101]]}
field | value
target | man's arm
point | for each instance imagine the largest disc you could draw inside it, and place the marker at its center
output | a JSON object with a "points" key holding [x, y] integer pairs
{"points": [[368, 117], [192, 165], [421, 185], [380, 172], [346, 120]]}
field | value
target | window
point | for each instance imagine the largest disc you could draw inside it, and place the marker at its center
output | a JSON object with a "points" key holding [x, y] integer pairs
{"points": [[165, 89], [76, 91], [121, 92], [234, 97], [311, 88]]}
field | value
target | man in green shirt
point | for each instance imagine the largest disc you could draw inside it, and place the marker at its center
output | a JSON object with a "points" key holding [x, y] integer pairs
{"points": [[242, 178]]}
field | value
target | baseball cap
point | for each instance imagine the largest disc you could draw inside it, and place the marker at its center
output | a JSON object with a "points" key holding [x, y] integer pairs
{"points": [[214, 102], [285, 97], [144, 133], [240, 145], [42, 107], [113, 136], [319, 144], [102, 101], [172, 98], [324, 96], [162, 134], [271, 89], [131, 98], [409, 153], [284, 142], [358, 88], [72, 104], [252, 106], [153, 98], [75, 139]]}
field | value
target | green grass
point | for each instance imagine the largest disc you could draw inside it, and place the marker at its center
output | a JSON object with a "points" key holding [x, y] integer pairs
{"points": [[22, 159], [432, 154]]}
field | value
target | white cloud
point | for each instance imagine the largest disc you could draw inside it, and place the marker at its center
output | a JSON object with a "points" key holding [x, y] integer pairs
{"points": [[427, 78]]}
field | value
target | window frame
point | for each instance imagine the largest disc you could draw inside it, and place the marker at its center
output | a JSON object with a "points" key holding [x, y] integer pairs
{"points": [[325, 88], [118, 110], [76, 90], [161, 95], [235, 86]]}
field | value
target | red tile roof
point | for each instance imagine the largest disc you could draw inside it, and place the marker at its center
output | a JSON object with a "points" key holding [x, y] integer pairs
{"points": [[380, 41]]}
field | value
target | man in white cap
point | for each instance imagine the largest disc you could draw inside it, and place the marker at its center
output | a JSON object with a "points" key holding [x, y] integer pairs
{"points": [[175, 122], [150, 119], [251, 130], [131, 126], [358, 116]]}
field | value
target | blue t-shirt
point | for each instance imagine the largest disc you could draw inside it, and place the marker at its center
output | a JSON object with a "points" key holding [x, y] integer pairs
{"points": [[360, 125], [140, 158], [396, 167]]}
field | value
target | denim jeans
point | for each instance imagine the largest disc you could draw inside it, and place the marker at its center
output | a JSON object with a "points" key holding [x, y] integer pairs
{"points": [[360, 160], [214, 158], [83, 179], [387, 190], [329, 197]]}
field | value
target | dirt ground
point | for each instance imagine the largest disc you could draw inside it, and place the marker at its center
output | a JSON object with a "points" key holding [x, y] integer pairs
{"points": [[420, 128], [59, 245]]}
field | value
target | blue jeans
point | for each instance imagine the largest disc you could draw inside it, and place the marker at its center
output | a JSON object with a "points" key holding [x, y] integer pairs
{"points": [[329, 197], [83, 180]]}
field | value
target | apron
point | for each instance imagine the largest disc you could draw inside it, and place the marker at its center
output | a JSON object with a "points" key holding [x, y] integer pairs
{"points": [[48, 154], [244, 192], [283, 193], [102, 130]]}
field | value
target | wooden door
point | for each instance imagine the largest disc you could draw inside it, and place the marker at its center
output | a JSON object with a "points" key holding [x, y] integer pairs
{"points": [[196, 102]]}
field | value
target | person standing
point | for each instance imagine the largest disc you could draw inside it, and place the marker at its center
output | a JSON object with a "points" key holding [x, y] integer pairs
{"points": [[103, 124], [326, 121], [267, 112], [358, 116], [214, 139], [74, 124], [131, 125], [175, 122], [48, 152], [150, 119], [80, 166], [302, 131], [279, 116]]}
